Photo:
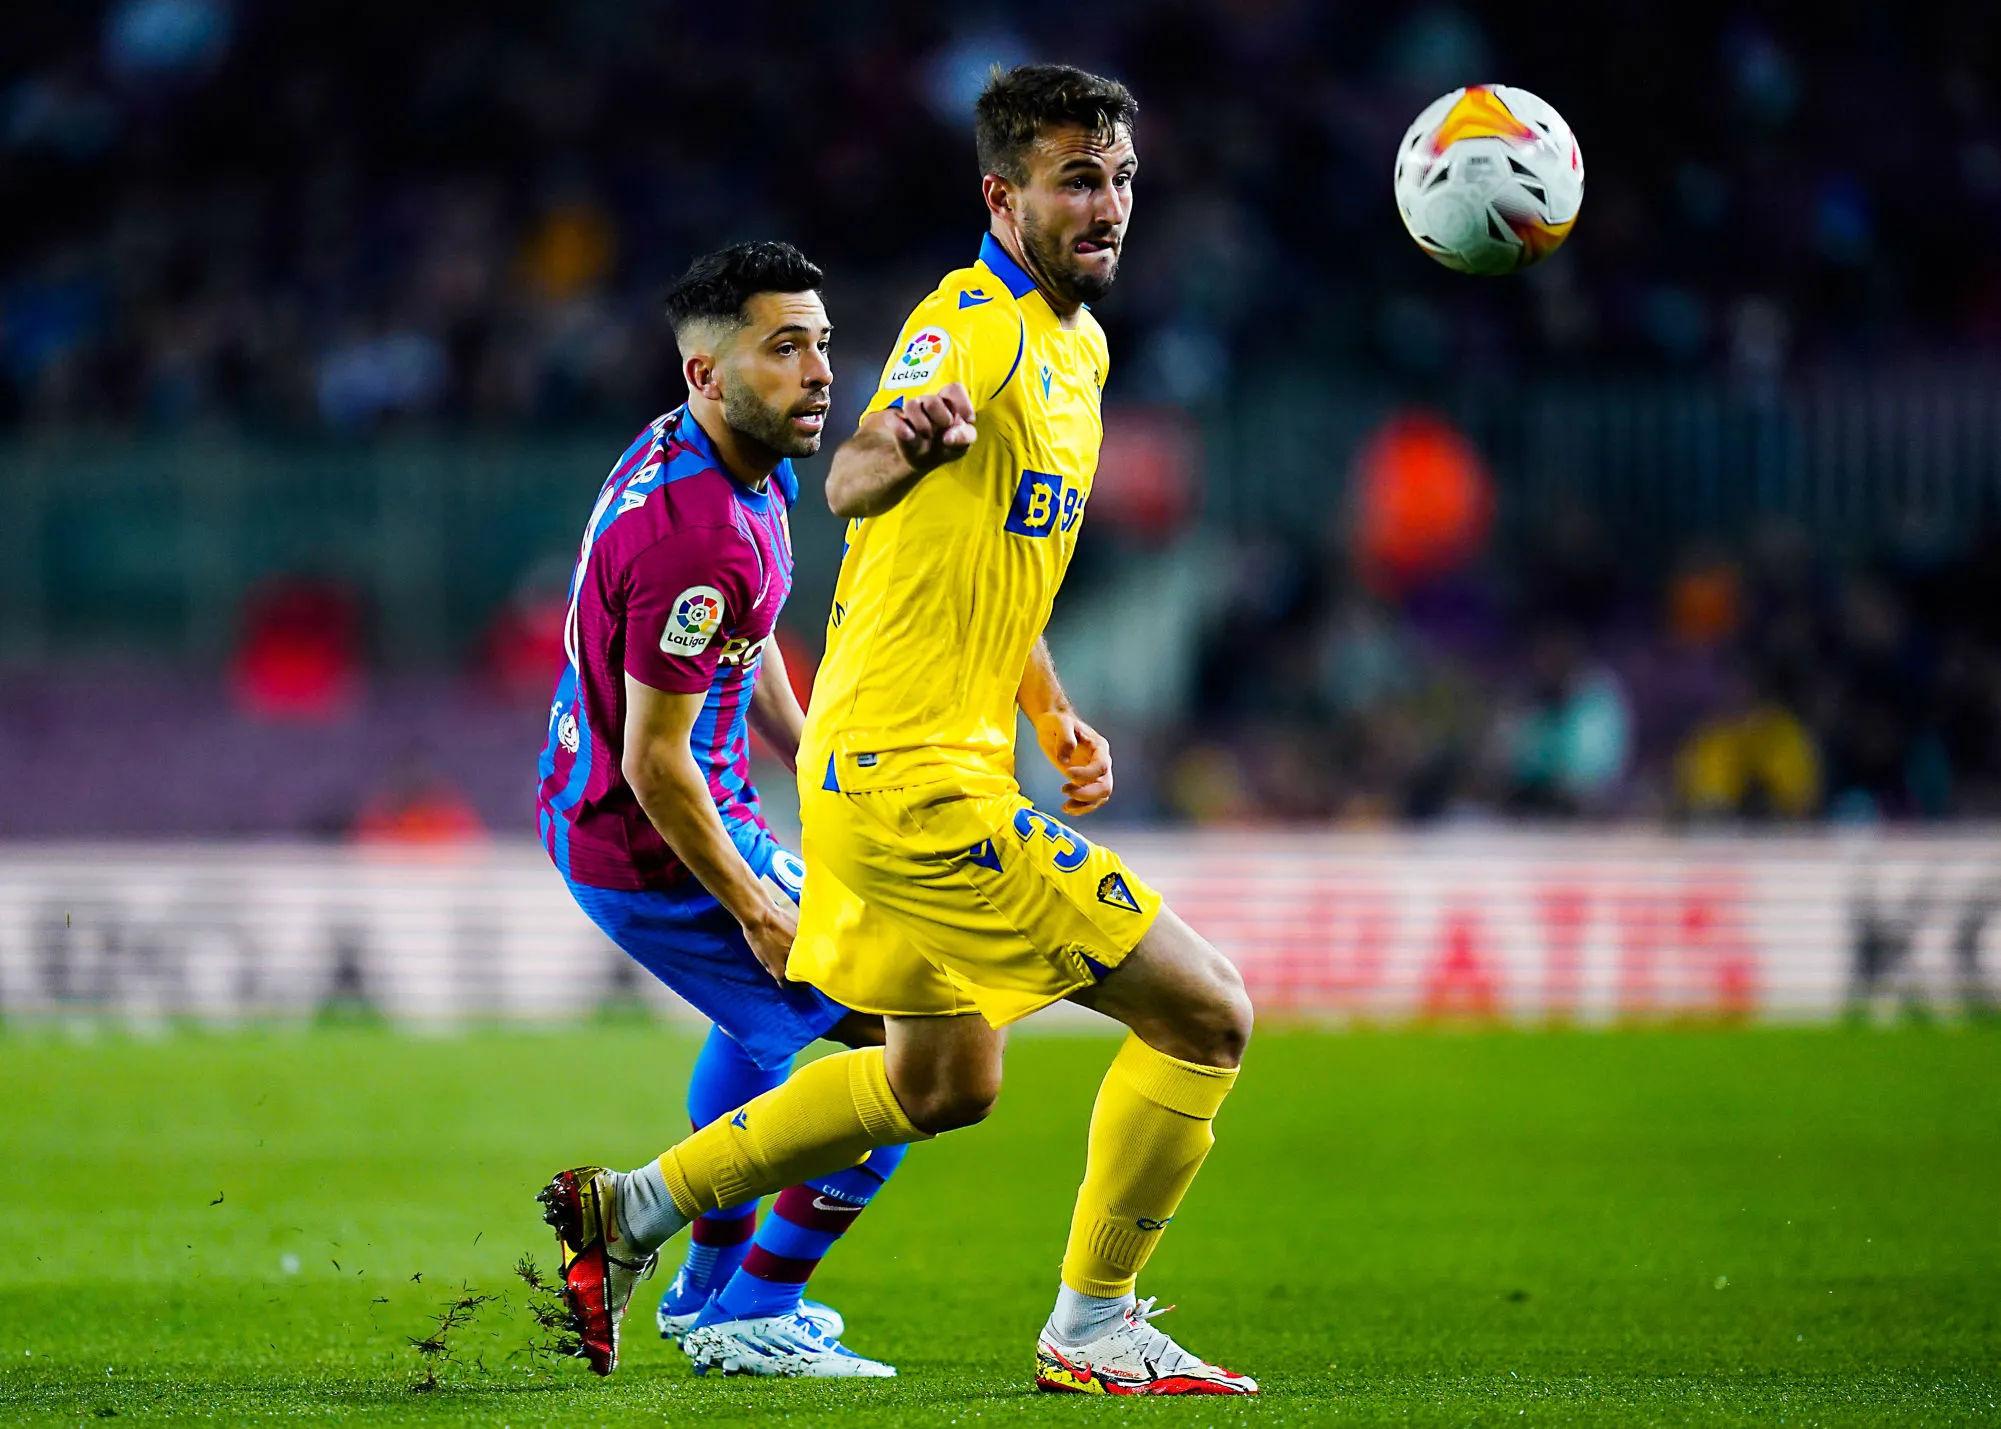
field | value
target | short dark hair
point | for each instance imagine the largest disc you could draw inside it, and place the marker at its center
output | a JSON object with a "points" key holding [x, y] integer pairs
{"points": [[717, 285], [1019, 103]]}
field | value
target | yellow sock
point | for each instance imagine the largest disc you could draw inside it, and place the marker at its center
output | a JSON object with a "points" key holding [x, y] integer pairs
{"points": [[1150, 1132], [828, 1114]]}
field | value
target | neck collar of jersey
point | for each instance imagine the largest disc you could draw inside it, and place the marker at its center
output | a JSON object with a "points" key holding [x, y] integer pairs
{"points": [[696, 436], [1005, 268]]}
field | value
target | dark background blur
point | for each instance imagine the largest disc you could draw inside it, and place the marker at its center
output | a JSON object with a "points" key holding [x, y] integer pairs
{"points": [[319, 326]]}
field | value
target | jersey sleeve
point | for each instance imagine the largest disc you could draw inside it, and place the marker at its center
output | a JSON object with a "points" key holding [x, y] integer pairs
{"points": [[943, 341], [682, 592]]}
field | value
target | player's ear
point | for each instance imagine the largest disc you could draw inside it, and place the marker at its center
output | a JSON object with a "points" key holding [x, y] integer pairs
{"points": [[699, 369], [998, 193]]}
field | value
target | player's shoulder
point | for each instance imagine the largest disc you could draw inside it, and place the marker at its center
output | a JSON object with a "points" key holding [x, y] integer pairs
{"points": [[694, 492], [679, 501], [970, 305], [966, 325]]}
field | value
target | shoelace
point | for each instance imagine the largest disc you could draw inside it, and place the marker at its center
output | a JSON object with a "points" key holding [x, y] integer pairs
{"points": [[1156, 1345], [799, 1327]]}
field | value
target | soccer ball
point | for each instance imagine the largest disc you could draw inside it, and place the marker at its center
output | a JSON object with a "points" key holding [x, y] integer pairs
{"points": [[1489, 179]]}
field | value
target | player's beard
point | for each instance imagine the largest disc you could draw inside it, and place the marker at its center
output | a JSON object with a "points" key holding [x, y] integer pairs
{"points": [[1058, 263], [774, 429]]}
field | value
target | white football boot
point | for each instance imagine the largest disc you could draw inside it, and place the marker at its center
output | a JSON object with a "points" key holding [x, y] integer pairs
{"points": [[1132, 1358], [673, 1327], [792, 1345]]}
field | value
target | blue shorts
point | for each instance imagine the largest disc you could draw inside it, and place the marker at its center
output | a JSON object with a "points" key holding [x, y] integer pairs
{"points": [[690, 942]]}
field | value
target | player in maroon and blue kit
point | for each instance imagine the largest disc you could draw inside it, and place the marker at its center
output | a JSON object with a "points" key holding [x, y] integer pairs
{"points": [[646, 805]]}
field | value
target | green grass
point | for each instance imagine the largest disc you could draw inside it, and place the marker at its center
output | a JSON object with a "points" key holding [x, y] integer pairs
{"points": [[1692, 1227]]}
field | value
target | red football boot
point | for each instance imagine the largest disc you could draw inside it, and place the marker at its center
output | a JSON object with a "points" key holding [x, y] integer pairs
{"points": [[582, 1206]]}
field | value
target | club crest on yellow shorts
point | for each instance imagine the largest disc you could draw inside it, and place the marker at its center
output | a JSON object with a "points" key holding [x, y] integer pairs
{"points": [[935, 901]]}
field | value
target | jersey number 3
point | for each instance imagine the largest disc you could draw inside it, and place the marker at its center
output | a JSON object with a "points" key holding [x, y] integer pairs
{"points": [[1070, 857], [1044, 504]]}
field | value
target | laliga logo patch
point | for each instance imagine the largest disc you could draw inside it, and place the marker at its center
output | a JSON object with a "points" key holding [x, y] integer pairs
{"points": [[696, 617], [926, 349], [566, 733]]}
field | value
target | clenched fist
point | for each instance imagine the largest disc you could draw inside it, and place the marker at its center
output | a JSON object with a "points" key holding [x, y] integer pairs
{"points": [[933, 429]]}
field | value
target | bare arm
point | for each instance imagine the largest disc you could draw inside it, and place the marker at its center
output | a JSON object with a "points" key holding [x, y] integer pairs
{"points": [[1041, 692], [877, 466], [774, 708], [1080, 754], [671, 788]]}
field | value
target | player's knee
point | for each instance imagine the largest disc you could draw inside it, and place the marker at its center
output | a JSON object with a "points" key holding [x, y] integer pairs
{"points": [[1232, 1019], [1215, 1025], [954, 1110], [949, 1104]]}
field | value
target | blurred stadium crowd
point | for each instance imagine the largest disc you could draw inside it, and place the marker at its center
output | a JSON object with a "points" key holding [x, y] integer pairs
{"points": [[312, 212], [334, 221], [1761, 685]]}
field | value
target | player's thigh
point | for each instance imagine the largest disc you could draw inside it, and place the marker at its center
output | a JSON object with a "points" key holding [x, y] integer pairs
{"points": [[1179, 994], [848, 947], [696, 949], [891, 920], [1016, 907], [945, 1071]]}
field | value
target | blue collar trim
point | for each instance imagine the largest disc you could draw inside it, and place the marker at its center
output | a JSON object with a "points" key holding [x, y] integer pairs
{"points": [[1005, 268], [684, 425]]}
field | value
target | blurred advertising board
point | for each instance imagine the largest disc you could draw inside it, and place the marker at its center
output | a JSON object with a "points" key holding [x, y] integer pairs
{"points": [[1467, 924]]}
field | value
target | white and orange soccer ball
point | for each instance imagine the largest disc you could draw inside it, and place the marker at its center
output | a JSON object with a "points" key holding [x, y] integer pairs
{"points": [[1489, 179]]}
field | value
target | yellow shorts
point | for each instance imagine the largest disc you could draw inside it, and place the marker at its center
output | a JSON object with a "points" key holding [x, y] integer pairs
{"points": [[930, 901]]}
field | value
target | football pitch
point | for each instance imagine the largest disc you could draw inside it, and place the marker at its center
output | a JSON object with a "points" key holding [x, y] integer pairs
{"points": [[1454, 1228]]}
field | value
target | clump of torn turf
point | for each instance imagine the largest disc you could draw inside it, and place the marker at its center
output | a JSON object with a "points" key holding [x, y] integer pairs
{"points": [[555, 1335], [436, 1351]]}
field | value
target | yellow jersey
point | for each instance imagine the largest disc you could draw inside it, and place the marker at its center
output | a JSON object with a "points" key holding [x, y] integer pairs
{"points": [[941, 598]]}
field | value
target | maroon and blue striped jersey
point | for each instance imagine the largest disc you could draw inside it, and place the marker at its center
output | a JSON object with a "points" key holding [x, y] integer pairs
{"points": [[680, 578]]}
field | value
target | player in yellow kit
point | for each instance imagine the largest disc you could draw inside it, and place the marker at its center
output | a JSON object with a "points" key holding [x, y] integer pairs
{"points": [[936, 894], [933, 639]]}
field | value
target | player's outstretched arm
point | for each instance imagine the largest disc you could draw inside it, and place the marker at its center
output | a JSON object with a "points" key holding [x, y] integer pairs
{"points": [[877, 466], [1081, 755], [774, 708], [660, 766]]}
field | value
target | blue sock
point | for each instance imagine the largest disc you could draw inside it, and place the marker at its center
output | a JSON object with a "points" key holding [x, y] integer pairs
{"points": [[803, 1225], [724, 1079]]}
